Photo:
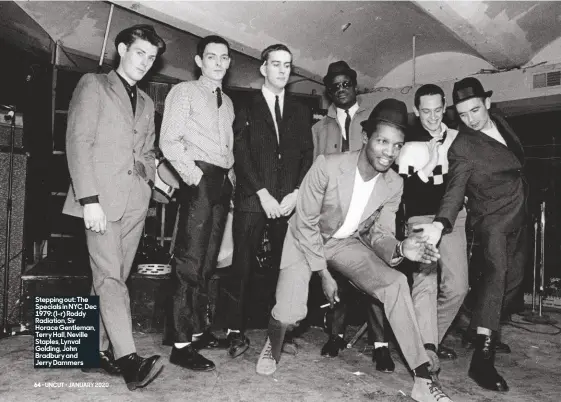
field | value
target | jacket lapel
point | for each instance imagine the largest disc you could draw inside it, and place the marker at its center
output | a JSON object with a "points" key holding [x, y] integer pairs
{"points": [[118, 88], [139, 106], [379, 195], [263, 108], [346, 182]]}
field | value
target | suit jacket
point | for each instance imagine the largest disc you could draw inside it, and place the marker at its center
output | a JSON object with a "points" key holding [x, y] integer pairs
{"points": [[104, 141], [491, 175], [327, 132], [323, 203], [261, 162]]}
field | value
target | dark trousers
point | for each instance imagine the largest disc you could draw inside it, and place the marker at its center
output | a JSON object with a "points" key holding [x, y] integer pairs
{"points": [[505, 256], [202, 219], [375, 310], [247, 229]]}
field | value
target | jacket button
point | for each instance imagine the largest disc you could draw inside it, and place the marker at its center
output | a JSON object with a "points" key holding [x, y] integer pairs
{"points": [[136, 132], [129, 172], [133, 151]]}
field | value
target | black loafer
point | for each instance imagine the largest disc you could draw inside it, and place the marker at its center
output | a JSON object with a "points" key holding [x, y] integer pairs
{"points": [[187, 357], [107, 364], [333, 346], [383, 359], [237, 344], [445, 353], [208, 341]]}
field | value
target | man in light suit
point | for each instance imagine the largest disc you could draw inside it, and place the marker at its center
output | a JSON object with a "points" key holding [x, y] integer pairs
{"points": [[345, 217], [340, 131], [110, 151]]}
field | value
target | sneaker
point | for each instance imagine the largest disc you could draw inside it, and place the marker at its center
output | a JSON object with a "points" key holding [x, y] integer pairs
{"points": [[266, 365], [425, 390]]}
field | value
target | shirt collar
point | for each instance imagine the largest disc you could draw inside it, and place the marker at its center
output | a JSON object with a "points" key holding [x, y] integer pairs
{"points": [[352, 110], [210, 84], [131, 89], [270, 96]]}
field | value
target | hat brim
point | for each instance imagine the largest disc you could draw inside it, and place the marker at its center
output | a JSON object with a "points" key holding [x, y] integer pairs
{"points": [[329, 77], [370, 125], [484, 95]]}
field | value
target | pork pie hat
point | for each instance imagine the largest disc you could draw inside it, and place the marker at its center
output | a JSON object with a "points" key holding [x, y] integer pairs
{"points": [[389, 110], [468, 88], [338, 68]]}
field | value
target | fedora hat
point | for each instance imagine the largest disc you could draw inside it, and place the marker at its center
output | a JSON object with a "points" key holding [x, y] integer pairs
{"points": [[338, 68], [468, 88], [390, 111]]}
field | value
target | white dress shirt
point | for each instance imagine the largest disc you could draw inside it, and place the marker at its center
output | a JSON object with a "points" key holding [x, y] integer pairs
{"points": [[342, 116]]}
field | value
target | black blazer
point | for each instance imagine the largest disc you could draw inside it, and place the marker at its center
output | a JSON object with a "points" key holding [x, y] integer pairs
{"points": [[260, 162], [491, 175]]}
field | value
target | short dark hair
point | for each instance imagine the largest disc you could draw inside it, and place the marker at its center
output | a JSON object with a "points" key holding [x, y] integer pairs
{"points": [[379, 123], [274, 48], [428, 89], [204, 42], [141, 31]]}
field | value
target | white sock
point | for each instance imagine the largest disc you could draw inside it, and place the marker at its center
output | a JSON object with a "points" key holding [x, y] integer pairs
{"points": [[181, 345], [484, 331], [195, 337], [380, 345], [232, 330], [341, 335]]}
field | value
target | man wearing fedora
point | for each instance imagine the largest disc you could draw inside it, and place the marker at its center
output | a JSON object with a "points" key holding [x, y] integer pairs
{"points": [[345, 217], [486, 165], [340, 131]]}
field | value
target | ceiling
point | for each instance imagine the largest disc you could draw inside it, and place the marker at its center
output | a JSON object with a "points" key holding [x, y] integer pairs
{"points": [[446, 40]]}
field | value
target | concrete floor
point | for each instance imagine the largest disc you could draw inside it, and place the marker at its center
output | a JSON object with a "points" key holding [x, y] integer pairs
{"points": [[533, 372]]}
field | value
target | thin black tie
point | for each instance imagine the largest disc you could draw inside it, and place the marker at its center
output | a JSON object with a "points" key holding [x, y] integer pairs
{"points": [[278, 116], [345, 146], [218, 97]]}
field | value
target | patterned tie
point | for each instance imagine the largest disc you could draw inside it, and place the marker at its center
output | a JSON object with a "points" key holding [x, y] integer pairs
{"points": [[345, 146], [218, 97]]}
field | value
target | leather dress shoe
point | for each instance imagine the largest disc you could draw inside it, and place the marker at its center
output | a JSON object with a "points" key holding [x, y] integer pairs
{"points": [[383, 359], [237, 344], [139, 371], [333, 346], [289, 346], [208, 341], [445, 353], [482, 368], [187, 357], [107, 364]]}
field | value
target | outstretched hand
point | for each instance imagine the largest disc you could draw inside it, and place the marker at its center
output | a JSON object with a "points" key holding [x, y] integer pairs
{"points": [[417, 249]]}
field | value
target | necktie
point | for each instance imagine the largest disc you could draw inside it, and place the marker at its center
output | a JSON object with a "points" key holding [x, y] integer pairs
{"points": [[218, 97], [345, 146], [278, 116]]}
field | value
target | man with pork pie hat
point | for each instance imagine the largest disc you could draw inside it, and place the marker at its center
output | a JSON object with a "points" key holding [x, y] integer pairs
{"points": [[486, 165]]}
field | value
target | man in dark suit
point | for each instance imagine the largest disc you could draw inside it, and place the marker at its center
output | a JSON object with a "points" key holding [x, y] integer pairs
{"points": [[273, 150], [486, 165], [110, 152]]}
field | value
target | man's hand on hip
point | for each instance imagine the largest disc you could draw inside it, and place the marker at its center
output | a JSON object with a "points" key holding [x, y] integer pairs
{"points": [[94, 218]]}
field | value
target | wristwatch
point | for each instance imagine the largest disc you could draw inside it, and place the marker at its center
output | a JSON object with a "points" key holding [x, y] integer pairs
{"points": [[399, 250]]}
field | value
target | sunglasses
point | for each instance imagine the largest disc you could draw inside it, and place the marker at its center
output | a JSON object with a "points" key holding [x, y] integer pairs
{"points": [[340, 85]]}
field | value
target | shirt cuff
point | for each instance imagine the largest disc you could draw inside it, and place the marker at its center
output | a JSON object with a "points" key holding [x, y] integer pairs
{"points": [[94, 199], [422, 176]]}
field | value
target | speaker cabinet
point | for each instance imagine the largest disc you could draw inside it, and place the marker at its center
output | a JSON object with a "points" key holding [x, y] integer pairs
{"points": [[16, 238]]}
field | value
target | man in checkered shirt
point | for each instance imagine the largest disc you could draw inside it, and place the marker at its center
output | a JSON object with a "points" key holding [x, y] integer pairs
{"points": [[423, 164]]}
